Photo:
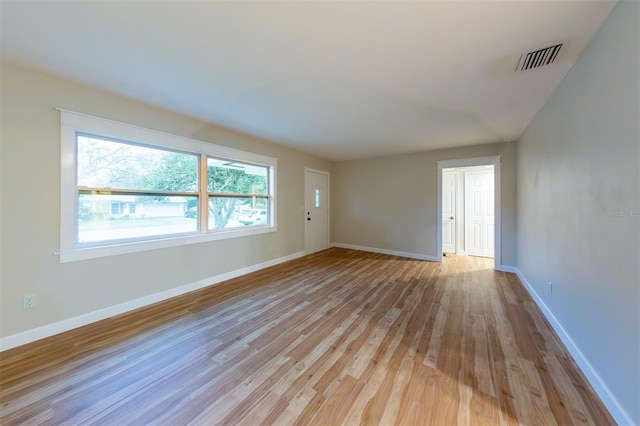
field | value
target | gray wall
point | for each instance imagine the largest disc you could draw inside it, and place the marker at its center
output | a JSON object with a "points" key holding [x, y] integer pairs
{"points": [[30, 179], [390, 202], [578, 167]]}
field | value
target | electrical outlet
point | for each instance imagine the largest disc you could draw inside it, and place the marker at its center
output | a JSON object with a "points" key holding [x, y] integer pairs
{"points": [[550, 288], [29, 301]]}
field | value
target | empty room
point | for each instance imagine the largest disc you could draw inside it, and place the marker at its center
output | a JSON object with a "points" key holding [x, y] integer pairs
{"points": [[288, 212]]}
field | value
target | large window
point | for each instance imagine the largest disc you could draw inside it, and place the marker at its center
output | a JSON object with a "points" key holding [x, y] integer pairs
{"points": [[127, 189]]}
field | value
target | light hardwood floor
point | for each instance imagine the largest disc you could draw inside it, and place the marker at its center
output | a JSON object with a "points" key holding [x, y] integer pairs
{"points": [[340, 337]]}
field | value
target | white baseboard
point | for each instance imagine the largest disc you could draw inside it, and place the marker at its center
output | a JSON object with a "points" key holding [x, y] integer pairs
{"points": [[385, 251], [603, 391], [48, 330], [506, 268]]}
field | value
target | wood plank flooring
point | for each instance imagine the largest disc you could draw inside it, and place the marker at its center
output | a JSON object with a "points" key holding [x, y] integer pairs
{"points": [[339, 337]]}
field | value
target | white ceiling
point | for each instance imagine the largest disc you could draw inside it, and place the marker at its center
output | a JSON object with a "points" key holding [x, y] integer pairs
{"points": [[342, 80]]}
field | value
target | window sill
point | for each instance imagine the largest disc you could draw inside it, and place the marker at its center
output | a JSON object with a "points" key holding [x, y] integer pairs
{"points": [[76, 254]]}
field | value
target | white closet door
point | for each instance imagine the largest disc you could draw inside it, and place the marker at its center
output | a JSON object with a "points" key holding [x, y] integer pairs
{"points": [[479, 214]]}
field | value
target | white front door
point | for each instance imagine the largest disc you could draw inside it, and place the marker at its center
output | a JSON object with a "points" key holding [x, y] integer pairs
{"points": [[316, 214], [479, 213], [449, 212]]}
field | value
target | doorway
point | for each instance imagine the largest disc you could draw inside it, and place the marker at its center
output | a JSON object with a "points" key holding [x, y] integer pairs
{"points": [[469, 208], [316, 214], [468, 211]]}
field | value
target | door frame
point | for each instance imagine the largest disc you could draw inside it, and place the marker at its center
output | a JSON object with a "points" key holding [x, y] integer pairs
{"points": [[496, 161], [455, 213], [306, 197]]}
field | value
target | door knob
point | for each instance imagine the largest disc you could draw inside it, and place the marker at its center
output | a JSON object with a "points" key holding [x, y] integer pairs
{"points": [[308, 218], [451, 218]]}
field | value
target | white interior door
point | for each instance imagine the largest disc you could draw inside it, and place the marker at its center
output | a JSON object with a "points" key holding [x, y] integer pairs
{"points": [[449, 212], [479, 214], [316, 215]]}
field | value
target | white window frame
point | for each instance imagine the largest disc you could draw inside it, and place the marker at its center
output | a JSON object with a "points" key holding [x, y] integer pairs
{"points": [[72, 123]]}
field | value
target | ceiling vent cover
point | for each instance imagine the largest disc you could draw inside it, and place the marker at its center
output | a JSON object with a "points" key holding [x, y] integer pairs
{"points": [[539, 57]]}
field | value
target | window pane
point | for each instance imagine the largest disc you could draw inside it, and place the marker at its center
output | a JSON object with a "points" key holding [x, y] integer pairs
{"points": [[108, 164], [236, 178], [116, 217], [231, 212]]}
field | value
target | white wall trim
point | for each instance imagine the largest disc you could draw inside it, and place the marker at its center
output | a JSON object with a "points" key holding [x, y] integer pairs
{"points": [[48, 330], [507, 268], [385, 251], [76, 254], [470, 162], [603, 391]]}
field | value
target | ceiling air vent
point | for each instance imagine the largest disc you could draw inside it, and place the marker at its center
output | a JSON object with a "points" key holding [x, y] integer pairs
{"points": [[539, 57]]}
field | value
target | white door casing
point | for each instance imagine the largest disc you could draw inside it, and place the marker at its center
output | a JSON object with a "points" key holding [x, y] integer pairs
{"points": [[479, 214], [449, 186], [316, 214]]}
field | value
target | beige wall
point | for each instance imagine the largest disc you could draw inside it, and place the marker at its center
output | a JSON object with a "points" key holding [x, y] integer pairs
{"points": [[30, 179], [578, 167], [390, 202]]}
